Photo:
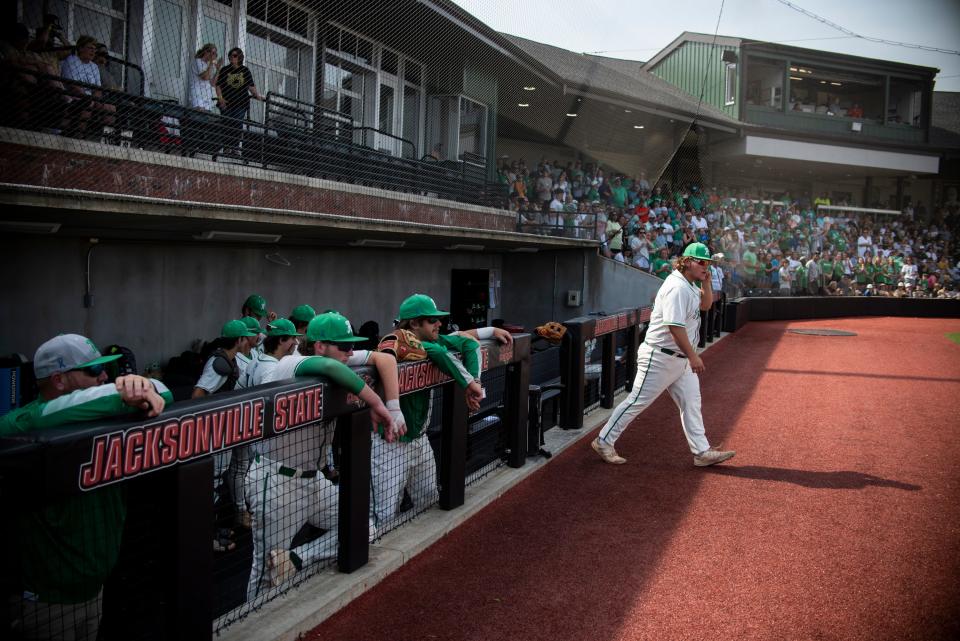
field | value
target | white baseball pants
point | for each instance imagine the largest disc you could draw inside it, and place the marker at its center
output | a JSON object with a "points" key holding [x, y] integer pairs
{"points": [[657, 371]]}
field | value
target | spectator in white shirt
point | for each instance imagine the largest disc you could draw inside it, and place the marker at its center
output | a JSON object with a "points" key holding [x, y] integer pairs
{"points": [[204, 75], [86, 106], [864, 243], [786, 278]]}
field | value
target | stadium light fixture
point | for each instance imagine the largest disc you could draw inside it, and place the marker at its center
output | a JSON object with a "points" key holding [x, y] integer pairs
{"points": [[28, 227], [529, 88], [238, 236], [571, 115], [378, 242], [638, 126], [523, 104]]}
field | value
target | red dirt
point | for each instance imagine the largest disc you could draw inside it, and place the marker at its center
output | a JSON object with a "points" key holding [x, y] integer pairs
{"points": [[838, 519]]}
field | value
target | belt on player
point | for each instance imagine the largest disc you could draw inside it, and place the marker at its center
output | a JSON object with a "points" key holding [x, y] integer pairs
{"points": [[667, 351], [292, 472]]}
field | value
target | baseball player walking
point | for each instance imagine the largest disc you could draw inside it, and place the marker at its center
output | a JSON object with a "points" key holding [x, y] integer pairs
{"points": [[667, 360]]}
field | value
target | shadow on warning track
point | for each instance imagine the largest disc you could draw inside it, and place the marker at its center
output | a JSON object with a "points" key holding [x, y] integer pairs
{"points": [[839, 480]]}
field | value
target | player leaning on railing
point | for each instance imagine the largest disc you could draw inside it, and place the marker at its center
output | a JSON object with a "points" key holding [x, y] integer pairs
{"points": [[284, 486], [67, 549], [409, 463]]}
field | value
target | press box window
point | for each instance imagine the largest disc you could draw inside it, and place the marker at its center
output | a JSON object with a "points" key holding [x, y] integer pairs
{"points": [[730, 83]]}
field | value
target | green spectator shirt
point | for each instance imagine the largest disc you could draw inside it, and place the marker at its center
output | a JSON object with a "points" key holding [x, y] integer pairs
{"points": [[749, 263], [618, 196], [67, 549], [662, 267]]}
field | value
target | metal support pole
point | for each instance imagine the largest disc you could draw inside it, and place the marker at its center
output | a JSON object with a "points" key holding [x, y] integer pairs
{"points": [[608, 369], [354, 488], [453, 448], [516, 404], [572, 357]]}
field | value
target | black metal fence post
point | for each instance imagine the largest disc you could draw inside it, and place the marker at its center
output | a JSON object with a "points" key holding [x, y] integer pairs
{"points": [[516, 402], [453, 448], [572, 357], [630, 357], [191, 592], [354, 488], [608, 369]]}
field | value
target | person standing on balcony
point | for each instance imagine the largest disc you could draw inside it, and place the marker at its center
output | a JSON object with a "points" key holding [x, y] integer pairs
{"points": [[205, 68], [234, 87]]}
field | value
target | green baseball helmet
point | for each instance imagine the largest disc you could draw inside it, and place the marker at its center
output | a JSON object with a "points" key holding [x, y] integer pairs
{"points": [[698, 251]]}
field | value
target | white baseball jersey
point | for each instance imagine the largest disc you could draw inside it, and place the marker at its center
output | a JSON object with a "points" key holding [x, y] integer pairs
{"points": [[300, 448], [677, 304]]}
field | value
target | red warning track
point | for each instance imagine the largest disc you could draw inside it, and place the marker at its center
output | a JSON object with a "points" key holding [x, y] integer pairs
{"points": [[838, 519]]}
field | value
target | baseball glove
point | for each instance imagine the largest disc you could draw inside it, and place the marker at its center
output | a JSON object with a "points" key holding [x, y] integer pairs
{"points": [[404, 345], [553, 332]]}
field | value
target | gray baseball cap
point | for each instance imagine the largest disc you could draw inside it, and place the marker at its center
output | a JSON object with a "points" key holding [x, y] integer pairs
{"points": [[66, 352]]}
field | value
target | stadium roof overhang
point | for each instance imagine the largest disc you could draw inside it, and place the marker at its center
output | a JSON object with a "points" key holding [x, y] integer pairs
{"points": [[85, 214], [766, 157]]}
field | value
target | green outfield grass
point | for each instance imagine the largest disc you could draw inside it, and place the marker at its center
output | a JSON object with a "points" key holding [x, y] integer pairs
{"points": [[955, 337]]}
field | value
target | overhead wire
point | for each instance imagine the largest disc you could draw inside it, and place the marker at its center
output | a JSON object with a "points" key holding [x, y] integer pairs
{"points": [[852, 34]]}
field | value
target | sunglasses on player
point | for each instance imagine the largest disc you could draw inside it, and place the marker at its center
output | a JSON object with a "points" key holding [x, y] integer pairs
{"points": [[343, 347], [93, 371], [432, 319]]}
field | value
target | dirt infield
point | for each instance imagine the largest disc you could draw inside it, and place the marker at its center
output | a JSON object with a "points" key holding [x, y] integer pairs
{"points": [[838, 519]]}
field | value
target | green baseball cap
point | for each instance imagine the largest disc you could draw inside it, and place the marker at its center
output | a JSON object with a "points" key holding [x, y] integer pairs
{"points": [[236, 329], [332, 327], [257, 304], [282, 327], [418, 306], [252, 324], [698, 251], [302, 313]]}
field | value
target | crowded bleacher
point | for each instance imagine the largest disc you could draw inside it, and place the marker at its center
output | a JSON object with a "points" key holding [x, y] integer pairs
{"points": [[775, 244]]}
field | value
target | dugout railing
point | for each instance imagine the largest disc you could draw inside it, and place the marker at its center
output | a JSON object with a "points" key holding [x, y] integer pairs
{"points": [[165, 580], [598, 358]]}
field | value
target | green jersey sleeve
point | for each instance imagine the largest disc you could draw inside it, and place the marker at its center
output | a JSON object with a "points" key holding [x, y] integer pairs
{"points": [[80, 406], [440, 355], [332, 369]]}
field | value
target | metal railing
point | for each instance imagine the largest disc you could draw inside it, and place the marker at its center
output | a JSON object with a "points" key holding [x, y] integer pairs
{"points": [[590, 382], [296, 137], [563, 224]]}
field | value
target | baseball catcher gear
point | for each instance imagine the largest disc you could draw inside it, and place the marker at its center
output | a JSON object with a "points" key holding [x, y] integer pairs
{"points": [[553, 332], [404, 345]]}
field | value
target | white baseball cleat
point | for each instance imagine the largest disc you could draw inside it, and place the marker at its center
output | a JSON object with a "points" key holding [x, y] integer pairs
{"points": [[280, 567], [606, 452], [712, 457]]}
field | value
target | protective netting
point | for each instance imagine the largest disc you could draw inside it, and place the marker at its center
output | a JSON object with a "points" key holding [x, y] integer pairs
{"points": [[276, 509], [486, 439], [404, 480], [408, 99], [593, 366]]}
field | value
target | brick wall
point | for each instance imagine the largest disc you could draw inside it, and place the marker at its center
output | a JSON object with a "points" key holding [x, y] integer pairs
{"points": [[207, 182]]}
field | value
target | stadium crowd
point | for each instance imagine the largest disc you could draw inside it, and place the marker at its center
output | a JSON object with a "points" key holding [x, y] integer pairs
{"points": [[764, 241]]}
